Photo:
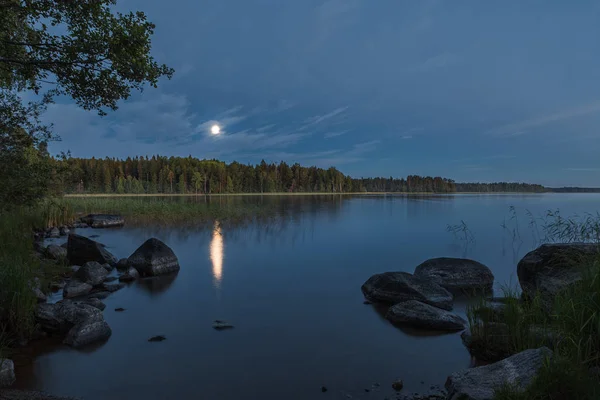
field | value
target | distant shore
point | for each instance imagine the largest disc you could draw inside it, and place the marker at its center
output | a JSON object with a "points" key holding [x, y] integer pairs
{"points": [[295, 194]]}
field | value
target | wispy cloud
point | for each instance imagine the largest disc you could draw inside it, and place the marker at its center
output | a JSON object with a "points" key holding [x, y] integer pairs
{"points": [[330, 135], [522, 127], [317, 119]]}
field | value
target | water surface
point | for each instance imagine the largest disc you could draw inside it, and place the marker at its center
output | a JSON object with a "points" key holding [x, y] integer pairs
{"points": [[291, 287]]}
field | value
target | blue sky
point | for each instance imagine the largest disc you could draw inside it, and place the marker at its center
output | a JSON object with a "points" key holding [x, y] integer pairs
{"points": [[471, 90]]}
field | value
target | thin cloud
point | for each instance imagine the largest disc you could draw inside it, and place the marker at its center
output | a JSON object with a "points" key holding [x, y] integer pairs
{"points": [[520, 128], [330, 135], [318, 119]]}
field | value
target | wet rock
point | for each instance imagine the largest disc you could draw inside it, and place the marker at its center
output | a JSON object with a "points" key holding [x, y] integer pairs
{"points": [[113, 287], [396, 287], [108, 267], [119, 309], [88, 332], [397, 385], [457, 274], [75, 288], [323, 389], [420, 315], [7, 372], [53, 233], [64, 230], [94, 302], [153, 258], [110, 279], [122, 264], [551, 268], [62, 316], [103, 220], [99, 295], [158, 338], [19, 394], [221, 325], [92, 273], [130, 275], [481, 382], [81, 250], [55, 252], [367, 302]]}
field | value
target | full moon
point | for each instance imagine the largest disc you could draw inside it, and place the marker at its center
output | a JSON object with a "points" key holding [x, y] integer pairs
{"points": [[215, 129]]}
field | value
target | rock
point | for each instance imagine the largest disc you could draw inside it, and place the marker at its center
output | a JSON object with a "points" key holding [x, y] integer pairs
{"points": [[131, 275], [323, 389], [39, 295], [158, 338], [55, 252], [88, 332], [62, 316], [99, 295], [481, 382], [19, 394], [108, 267], [221, 325], [119, 309], [53, 233], [457, 274], [75, 268], [421, 315], [55, 286], [103, 220], [92, 273], [396, 287], [122, 264], [397, 385], [81, 250], [110, 279], [367, 302], [64, 230], [64, 246], [94, 302], [551, 268], [7, 372], [76, 288], [153, 258], [113, 287]]}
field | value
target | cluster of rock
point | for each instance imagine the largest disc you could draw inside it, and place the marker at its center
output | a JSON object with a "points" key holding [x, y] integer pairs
{"points": [[94, 274], [88, 221], [424, 300]]}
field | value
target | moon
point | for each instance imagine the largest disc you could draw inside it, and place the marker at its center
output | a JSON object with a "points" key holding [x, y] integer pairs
{"points": [[215, 129]]}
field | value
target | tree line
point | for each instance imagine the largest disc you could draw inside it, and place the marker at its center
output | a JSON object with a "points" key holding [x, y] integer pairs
{"points": [[190, 175]]}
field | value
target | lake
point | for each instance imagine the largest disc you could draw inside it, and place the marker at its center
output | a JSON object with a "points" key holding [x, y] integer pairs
{"points": [[291, 287]]}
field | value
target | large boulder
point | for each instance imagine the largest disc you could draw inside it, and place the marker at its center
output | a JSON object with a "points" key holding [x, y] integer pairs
{"points": [[421, 315], [91, 273], [153, 258], [81, 250], [82, 323], [396, 287], [457, 274], [7, 372], [480, 383], [103, 220], [55, 252], [551, 268], [76, 288]]}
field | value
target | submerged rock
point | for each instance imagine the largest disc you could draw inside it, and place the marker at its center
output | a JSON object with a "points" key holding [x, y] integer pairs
{"points": [[158, 338], [7, 372], [55, 252], [75, 288], [92, 273], [457, 274], [397, 385], [221, 325], [130, 275], [81, 250], [396, 287], [421, 315], [481, 382], [551, 268], [154, 258], [103, 220]]}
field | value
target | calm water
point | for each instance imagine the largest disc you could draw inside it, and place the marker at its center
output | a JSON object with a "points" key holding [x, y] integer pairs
{"points": [[292, 290]]}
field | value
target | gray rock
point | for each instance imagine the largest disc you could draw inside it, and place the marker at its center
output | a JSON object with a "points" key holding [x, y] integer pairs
{"points": [[103, 220], [75, 268], [19, 394], [75, 288], [108, 267], [92, 273], [55, 252], [551, 268], [457, 274], [81, 250], [122, 264], [7, 372], [94, 302], [396, 287], [53, 232], [110, 279], [64, 230], [481, 382], [421, 315], [88, 332], [113, 287], [99, 295], [153, 258], [130, 275]]}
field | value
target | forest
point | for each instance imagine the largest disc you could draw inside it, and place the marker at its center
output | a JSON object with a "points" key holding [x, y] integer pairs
{"points": [[190, 175]]}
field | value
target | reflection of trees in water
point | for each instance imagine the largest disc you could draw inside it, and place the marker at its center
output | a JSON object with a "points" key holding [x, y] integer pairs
{"points": [[287, 214]]}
